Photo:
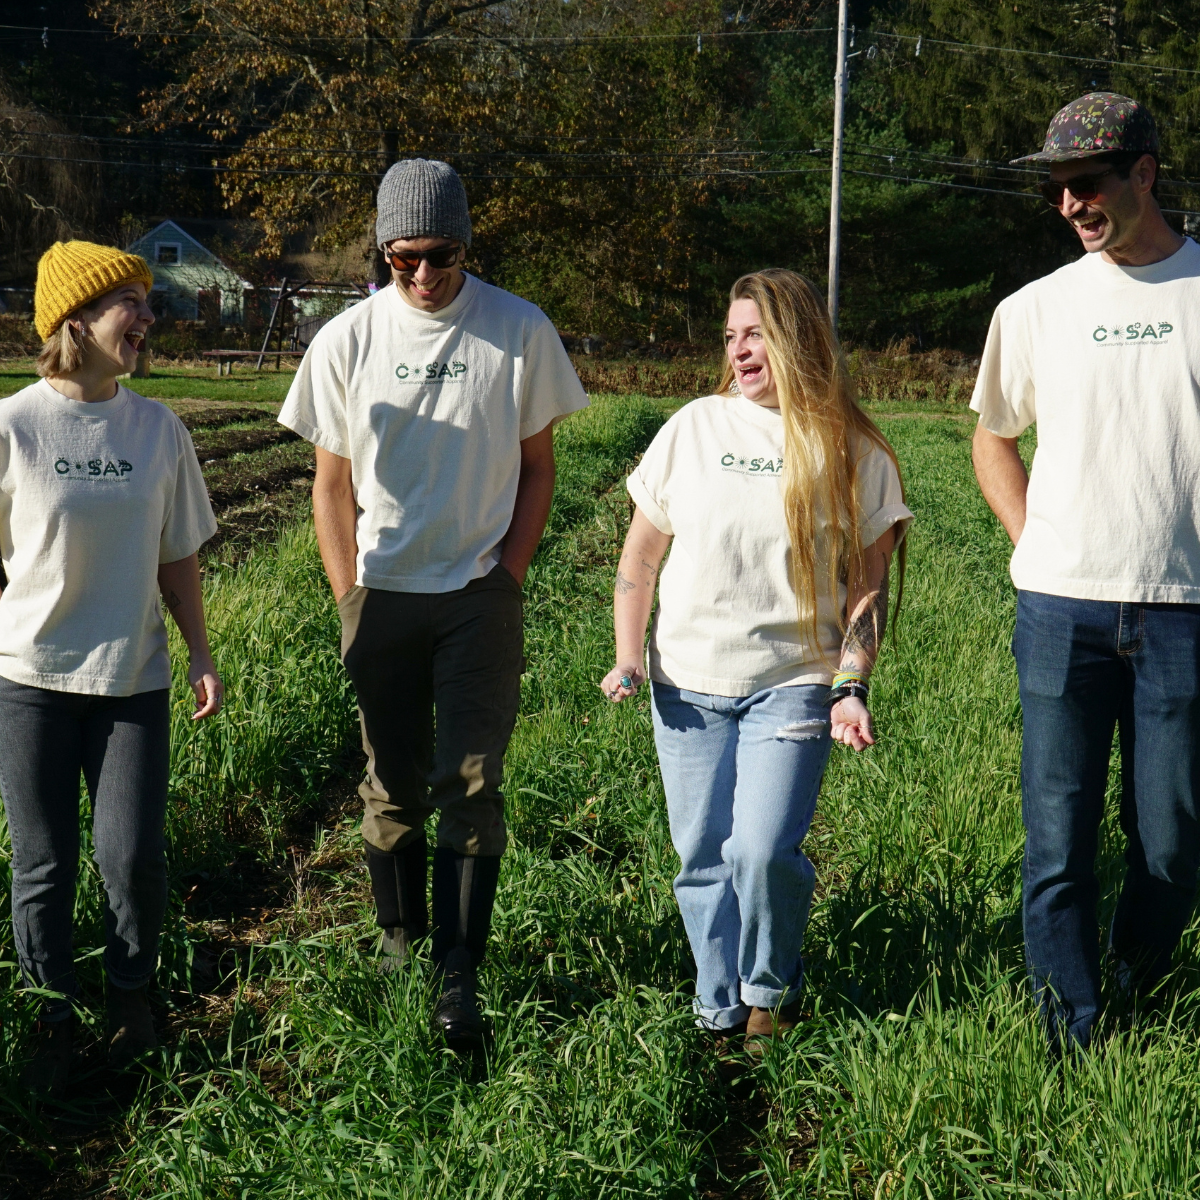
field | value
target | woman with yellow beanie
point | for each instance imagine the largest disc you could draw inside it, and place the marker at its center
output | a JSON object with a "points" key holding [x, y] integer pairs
{"points": [[102, 510]]}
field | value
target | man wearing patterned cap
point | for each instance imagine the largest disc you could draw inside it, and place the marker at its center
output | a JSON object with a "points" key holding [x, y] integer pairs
{"points": [[1104, 355], [431, 406]]}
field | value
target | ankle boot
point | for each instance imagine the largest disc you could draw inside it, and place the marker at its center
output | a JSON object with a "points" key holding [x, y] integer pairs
{"points": [[764, 1025], [398, 884], [464, 889], [130, 1025]]}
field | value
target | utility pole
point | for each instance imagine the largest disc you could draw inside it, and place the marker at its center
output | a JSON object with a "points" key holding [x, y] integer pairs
{"points": [[835, 190]]}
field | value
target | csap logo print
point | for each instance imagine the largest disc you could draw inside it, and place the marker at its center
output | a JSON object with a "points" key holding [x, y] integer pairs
{"points": [[1135, 332], [742, 465], [433, 372], [94, 468]]}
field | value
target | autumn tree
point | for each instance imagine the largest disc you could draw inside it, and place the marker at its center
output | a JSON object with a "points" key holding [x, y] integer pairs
{"points": [[588, 134]]}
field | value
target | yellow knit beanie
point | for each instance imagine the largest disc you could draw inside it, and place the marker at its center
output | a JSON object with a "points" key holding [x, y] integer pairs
{"points": [[72, 274]]}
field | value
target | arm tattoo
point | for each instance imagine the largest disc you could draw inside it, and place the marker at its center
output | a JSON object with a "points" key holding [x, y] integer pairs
{"points": [[173, 601], [866, 631], [623, 585]]}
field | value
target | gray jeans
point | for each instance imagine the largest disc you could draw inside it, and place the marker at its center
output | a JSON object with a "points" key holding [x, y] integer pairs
{"points": [[122, 747]]}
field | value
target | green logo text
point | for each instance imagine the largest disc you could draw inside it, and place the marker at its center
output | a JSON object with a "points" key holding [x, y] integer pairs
{"points": [[433, 372]]}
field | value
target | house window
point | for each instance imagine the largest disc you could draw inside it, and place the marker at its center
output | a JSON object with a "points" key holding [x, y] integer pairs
{"points": [[166, 253]]}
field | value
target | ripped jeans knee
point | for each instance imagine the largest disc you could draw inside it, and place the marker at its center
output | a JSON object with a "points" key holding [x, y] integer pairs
{"points": [[803, 731]]}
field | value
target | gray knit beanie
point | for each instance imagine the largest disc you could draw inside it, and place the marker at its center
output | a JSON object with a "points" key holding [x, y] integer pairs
{"points": [[421, 197]]}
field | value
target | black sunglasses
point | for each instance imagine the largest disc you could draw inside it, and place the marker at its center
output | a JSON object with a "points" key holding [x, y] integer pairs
{"points": [[1085, 188], [410, 260]]}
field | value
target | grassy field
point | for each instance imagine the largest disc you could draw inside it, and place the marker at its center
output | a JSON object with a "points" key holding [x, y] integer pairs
{"points": [[245, 386], [294, 1069]]}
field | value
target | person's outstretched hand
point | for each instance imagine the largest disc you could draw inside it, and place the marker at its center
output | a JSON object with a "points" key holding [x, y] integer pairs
{"points": [[850, 723], [611, 685]]}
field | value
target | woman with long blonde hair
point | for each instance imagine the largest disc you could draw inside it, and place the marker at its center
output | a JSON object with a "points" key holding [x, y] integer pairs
{"points": [[782, 504]]}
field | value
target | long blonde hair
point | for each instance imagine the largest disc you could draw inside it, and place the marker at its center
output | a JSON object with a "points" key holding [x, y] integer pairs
{"points": [[824, 434]]}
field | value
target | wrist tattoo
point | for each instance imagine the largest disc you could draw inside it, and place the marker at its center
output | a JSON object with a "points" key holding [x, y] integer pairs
{"points": [[865, 632]]}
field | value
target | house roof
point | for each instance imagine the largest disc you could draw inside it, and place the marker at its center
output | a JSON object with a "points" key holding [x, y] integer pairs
{"points": [[177, 230]]}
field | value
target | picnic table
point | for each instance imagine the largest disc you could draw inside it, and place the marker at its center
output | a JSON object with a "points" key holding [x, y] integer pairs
{"points": [[226, 358]]}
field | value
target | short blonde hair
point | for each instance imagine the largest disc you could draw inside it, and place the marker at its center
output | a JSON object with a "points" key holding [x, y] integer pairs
{"points": [[63, 351]]}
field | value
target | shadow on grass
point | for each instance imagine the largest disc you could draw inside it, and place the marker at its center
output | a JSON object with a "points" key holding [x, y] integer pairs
{"points": [[875, 945]]}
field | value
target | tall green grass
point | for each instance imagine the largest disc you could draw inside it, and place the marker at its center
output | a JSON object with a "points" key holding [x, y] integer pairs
{"points": [[288, 714], [919, 1069]]}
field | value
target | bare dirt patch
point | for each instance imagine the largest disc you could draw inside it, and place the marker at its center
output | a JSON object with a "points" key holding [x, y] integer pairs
{"points": [[223, 443], [211, 414]]}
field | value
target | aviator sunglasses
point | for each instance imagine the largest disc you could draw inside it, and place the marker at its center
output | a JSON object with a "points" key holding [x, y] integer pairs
{"points": [[1085, 188], [410, 260]]}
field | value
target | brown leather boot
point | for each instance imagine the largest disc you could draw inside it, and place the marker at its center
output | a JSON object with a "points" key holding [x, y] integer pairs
{"points": [[130, 1025], [764, 1025]]}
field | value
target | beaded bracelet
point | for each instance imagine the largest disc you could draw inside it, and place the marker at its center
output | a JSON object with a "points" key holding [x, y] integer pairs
{"points": [[844, 677]]}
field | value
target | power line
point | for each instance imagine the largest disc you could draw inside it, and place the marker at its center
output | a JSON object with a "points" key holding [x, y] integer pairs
{"points": [[466, 174], [982, 169], [1110, 62], [609, 177], [515, 39], [586, 38]]}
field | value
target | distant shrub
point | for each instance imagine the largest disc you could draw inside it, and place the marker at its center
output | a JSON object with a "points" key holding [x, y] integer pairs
{"points": [[895, 375], [18, 336]]}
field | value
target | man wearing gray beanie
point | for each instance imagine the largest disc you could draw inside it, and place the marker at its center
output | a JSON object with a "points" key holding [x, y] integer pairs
{"points": [[432, 406]]}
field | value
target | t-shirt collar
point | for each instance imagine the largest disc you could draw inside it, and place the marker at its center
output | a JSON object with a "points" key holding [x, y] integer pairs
{"points": [[1183, 263], [444, 316], [742, 409], [83, 408]]}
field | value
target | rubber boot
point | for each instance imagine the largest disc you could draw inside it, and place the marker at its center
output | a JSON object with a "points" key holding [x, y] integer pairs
{"points": [[49, 1066], [130, 1025], [398, 884], [464, 889]]}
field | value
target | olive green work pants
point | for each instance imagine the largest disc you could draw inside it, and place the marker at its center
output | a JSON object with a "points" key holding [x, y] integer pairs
{"points": [[459, 655]]}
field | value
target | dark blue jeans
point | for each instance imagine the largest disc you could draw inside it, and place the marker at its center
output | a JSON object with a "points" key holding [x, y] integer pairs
{"points": [[121, 745], [1085, 667]]}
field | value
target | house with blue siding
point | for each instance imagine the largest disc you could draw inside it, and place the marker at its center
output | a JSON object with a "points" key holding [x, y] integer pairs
{"points": [[190, 282]]}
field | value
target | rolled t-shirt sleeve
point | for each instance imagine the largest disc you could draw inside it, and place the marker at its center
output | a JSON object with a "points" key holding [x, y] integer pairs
{"points": [[315, 407], [550, 389], [1004, 395], [647, 486], [188, 522], [881, 498]]}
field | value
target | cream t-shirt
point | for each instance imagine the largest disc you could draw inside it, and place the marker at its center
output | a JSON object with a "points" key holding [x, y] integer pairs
{"points": [[93, 497], [1106, 360], [431, 409], [726, 623]]}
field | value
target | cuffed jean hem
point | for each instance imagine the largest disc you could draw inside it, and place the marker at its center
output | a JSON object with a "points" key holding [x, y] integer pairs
{"points": [[716, 1020], [762, 997], [53, 1010], [125, 982]]}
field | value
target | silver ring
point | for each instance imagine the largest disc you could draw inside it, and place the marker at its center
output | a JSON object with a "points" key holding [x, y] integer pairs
{"points": [[626, 682]]}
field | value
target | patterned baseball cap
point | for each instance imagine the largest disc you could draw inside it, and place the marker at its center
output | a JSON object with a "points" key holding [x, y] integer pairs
{"points": [[1095, 124]]}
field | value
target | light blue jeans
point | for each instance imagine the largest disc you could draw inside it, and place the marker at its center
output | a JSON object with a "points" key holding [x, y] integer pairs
{"points": [[741, 776]]}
